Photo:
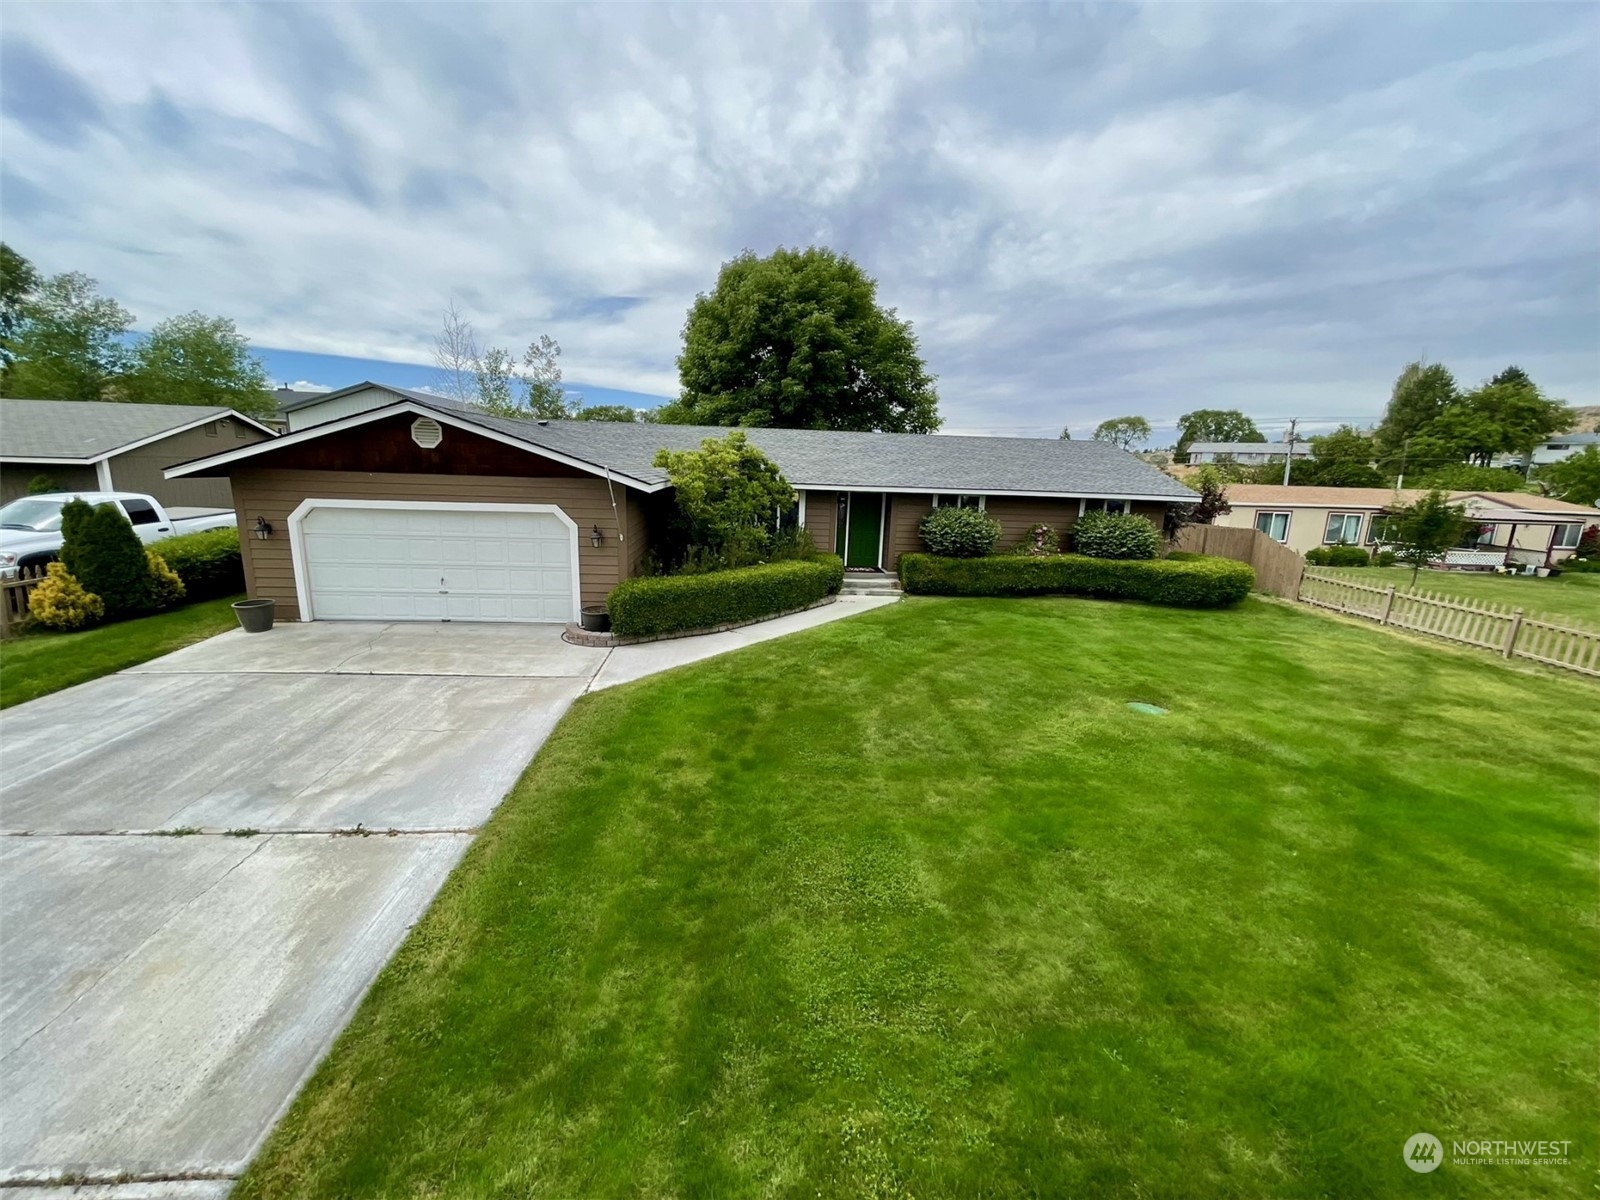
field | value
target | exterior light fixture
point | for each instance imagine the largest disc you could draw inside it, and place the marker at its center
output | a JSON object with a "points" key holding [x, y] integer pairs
{"points": [[262, 529], [596, 537]]}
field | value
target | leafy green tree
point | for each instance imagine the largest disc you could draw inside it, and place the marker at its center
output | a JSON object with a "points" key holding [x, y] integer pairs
{"points": [[494, 377], [1425, 529], [1420, 394], [797, 340], [196, 359], [69, 343], [730, 494], [1575, 479], [1214, 425], [18, 282], [607, 412], [1212, 484], [1123, 432], [1464, 477], [541, 380]]}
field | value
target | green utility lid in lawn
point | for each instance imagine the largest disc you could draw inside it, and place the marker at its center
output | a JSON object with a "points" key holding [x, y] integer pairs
{"points": [[1152, 709]]}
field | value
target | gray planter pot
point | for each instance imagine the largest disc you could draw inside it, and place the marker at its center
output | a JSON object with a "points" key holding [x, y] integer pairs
{"points": [[595, 618], [255, 616]]}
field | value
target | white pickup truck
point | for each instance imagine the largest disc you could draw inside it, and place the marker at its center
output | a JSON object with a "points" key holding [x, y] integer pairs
{"points": [[30, 526]]}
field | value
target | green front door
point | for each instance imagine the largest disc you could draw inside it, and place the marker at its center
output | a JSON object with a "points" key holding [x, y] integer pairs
{"points": [[863, 523]]}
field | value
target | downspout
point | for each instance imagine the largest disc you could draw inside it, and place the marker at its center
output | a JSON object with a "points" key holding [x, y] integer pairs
{"points": [[622, 536]]}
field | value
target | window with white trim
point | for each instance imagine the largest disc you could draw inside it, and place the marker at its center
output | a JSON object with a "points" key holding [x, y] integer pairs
{"points": [[1114, 506], [1567, 537], [1343, 527], [952, 501], [1274, 524]]}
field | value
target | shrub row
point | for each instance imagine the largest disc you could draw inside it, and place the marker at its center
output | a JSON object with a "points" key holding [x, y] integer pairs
{"points": [[207, 562], [1184, 583], [677, 603]]}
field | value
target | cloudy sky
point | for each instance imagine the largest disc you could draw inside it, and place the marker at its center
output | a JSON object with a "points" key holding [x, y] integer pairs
{"points": [[1086, 211]]}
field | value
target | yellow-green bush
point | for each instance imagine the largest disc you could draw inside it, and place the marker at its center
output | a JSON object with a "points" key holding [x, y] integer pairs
{"points": [[165, 586], [59, 601]]}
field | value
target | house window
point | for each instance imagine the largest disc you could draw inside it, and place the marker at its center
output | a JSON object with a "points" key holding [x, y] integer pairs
{"points": [[1114, 506], [1567, 537], [1343, 527], [1274, 524], [958, 502], [211, 429], [1381, 530]]}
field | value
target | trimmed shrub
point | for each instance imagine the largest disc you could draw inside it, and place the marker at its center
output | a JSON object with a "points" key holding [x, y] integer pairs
{"points": [[207, 562], [1185, 583], [107, 557], [960, 532], [1039, 540], [58, 601], [1338, 556], [75, 516], [1583, 566], [1115, 535], [166, 589], [1387, 558], [678, 603], [1182, 556]]}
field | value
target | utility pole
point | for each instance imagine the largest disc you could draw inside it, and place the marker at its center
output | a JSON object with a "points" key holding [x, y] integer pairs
{"points": [[1288, 459]]}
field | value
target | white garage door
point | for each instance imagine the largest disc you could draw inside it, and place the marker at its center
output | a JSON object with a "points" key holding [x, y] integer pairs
{"points": [[437, 564]]}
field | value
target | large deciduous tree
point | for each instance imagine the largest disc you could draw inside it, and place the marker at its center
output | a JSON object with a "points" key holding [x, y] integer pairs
{"points": [[69, 342], [18, 281], [1420, 395], [798, 340], [1214, 425], [196, 359], [1123, 432]]}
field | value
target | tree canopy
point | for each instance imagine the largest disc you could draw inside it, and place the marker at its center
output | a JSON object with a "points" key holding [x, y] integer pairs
{"points": [[1575, 479], [1430, 424], [195, 359], [607, 412], [1424, 529], [70, 341], [730, 493], [492, 380], [1214, 425], [797, 340], [1123, 432], [18, 281]]}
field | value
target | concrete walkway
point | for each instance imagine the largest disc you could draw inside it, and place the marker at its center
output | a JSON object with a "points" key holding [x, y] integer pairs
{"points": [[205, 861]]}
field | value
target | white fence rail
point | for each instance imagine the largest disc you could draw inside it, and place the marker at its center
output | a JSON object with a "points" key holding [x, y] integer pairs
{"points": [[1508, 631]]}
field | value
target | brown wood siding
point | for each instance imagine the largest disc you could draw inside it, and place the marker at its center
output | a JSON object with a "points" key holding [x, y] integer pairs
{"points": [[638, 534], [822, 519], [905, 514], [274, 494], [140, 470], [15, 478], [1018, 514]]}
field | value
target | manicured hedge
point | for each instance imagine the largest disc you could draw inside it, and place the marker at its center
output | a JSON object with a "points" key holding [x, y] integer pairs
{"points": [[207, 562], [1338, 556], [1184, 583], [676, 603]]}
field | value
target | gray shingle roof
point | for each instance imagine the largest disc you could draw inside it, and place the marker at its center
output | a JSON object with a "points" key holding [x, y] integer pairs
{"points": [[87, 429], [873, 461]]}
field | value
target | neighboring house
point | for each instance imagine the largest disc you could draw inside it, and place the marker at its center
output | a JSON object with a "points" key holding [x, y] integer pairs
{"points": [[314, 408], [1559, 447], [1248, 454], [103, 446], [287, 399], [414, 508], [1517, 527]]}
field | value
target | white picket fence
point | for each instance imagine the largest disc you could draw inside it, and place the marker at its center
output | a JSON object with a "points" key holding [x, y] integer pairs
{"points": [[1510, 632]]}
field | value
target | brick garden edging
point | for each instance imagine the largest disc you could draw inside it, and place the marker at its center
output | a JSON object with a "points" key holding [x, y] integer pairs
{"points": [[579, 636]]}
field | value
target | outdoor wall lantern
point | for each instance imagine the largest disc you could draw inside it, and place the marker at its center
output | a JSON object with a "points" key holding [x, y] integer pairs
{"points": [[596, 537], [262, 529]]}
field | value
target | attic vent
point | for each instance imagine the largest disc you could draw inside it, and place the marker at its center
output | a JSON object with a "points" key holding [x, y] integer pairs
{"points": [[426, 433]]}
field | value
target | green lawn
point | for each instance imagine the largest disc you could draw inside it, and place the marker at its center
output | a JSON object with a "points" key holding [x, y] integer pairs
{"points": [[912, 904], [37, 664], [1570, 596]]}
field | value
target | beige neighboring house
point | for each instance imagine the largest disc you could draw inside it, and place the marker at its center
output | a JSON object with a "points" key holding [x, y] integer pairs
{"points": [[1516, 527], [104, 446]]}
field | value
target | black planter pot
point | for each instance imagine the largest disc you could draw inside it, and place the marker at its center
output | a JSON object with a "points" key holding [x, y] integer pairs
{"points": [[595, 618], [255, 616]]}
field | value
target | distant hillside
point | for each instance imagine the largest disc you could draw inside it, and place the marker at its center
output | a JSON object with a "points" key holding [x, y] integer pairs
{"points": [[1588, 420]]}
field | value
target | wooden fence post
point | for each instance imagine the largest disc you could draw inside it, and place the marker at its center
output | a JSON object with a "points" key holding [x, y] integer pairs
{"points": [[1511, 634], [1388, 605]]}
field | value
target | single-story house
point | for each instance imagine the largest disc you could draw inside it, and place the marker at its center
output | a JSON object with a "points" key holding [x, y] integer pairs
{"points": [[1554, 449], [103, 446], [1248, 454], [1516, 527], [414, 508]]}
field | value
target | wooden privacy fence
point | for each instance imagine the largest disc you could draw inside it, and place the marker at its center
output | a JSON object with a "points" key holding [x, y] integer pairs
{"points": [[1277, 567], [14, 598], [1508, 631]]}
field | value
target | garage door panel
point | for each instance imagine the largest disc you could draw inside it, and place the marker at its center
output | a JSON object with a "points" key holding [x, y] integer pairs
{"points": [[431, 565]]}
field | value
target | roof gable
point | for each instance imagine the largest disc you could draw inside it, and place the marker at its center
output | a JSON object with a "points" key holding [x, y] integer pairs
{"points": [[86, 431]]}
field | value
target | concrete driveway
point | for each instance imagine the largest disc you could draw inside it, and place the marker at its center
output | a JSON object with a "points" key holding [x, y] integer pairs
{"points": [[205, 861], [164, 986]]}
